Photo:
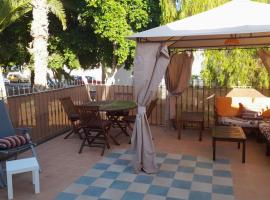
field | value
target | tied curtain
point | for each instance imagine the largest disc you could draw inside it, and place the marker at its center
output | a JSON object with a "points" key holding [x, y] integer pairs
{"points": [[265, 57], [177, 78], [150, 64]]}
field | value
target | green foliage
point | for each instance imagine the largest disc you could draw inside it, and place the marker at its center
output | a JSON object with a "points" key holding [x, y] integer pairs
{"points": [[12, 10], [237, 67], [168, 11], [14, 41], [113, 21], [57, 8]]}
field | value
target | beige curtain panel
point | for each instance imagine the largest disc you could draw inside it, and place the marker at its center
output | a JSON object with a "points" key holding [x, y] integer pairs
{"points": [[150, 64], [178, 72], [177, 77], [265, 57]]}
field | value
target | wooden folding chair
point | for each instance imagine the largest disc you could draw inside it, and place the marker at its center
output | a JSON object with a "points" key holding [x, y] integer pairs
{"points": [[95, 129], [72, 114]]}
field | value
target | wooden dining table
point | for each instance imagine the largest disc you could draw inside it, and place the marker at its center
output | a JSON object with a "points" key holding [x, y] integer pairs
{"points": [[115, 109]]}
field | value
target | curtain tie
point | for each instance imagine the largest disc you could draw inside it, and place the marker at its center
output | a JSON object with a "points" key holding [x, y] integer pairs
{"points": [[141, 109]]}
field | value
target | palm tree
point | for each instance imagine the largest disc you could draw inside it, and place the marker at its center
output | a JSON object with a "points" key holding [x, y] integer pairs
{"points": [[12, 10], [40, 34]]}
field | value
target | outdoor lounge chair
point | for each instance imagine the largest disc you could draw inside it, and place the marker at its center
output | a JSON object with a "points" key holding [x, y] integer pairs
{"points": [[72, 114], [12, 140], [95, 129]]}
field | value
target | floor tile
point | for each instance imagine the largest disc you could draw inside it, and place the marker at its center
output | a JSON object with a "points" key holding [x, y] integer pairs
{"points": [[75, 188], [113, 194], [66, 196], [223, 173], [162, 181], [144, 179], [138, 187], [120, 185], [186, 169], [178, 193], [171, 161], [222, 189], [103, 182], [133, 196], [197, 195], [202, 178], [181, 184], [158, 190], [110, 175], [85, 180], [94, 191], [165, 174], [101, 166], [203, 187]]}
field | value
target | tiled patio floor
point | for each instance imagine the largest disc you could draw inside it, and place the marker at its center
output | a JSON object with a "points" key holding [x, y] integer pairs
{"points": [[62, 165]]}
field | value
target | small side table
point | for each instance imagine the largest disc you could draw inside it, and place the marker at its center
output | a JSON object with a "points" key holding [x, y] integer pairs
{"points": [[21, 166], [229, 134], [191, 117]]}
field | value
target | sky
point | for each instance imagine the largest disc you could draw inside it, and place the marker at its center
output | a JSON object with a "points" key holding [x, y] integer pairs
{"points": [[197, 64]]}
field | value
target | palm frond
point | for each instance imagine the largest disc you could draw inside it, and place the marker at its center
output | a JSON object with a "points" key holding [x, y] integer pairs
{"points": [[57, 8], [12, 10]]}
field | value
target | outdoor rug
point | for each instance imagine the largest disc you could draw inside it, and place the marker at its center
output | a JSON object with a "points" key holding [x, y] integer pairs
{"points": [[179, 177]]}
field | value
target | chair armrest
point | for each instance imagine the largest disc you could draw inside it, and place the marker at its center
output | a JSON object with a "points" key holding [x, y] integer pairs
{"points": [[25, 131]]}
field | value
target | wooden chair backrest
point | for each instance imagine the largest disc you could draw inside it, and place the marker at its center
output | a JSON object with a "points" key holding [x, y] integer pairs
{"points": [[90, 116], [68, 106]]}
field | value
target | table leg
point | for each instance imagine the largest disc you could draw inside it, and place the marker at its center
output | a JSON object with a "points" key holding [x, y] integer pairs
{"points": [[180, 129], [9, 186], [201, 130], [214, 149], [244, 152], [239, 145]]}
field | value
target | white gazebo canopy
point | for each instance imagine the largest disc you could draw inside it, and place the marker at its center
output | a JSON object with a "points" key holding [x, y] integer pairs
{"points": [[239, 23], [236, 23]]}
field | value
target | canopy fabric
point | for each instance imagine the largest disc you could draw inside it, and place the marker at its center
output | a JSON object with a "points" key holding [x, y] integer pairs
{"points": [[237, 23], [265, 57], [150, 64], [177, 77]]}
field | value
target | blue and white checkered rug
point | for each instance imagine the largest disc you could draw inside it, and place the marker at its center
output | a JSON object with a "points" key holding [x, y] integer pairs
{"points": [[179, 177]]}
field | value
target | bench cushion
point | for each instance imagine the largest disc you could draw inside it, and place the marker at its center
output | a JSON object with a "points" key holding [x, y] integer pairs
{"points": [[237, 121], [13, 141], [265, 129]]}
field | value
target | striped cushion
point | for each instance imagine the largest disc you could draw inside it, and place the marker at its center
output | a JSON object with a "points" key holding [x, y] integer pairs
{"points": [[13, 141], [251, 111]]}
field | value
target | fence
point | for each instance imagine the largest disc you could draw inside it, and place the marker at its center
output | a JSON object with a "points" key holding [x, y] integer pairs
{"points": [[44, 113]]}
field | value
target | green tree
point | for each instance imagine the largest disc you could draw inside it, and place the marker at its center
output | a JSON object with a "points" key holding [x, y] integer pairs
{"points": [[114, 20], [11, 11]]}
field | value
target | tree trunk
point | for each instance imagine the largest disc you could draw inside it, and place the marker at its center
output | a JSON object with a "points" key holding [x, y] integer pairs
{"points": [[3, 93], [40, 34]]}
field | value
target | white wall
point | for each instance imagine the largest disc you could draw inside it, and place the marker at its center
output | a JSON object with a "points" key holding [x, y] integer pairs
{"points": [[121, 77]]}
